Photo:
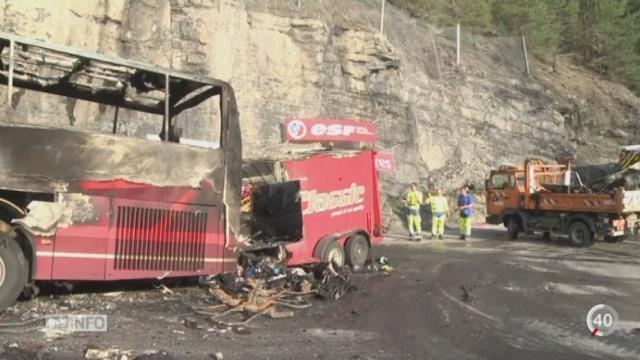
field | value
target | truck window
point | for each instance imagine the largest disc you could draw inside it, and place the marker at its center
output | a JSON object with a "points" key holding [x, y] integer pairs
{"points": [[500, 181]]}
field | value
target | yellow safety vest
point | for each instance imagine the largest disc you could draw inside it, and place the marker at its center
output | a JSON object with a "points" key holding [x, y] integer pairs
{"points": [[439, 204], [414, 199]]}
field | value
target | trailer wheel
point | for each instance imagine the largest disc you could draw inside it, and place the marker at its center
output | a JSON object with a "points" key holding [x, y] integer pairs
{"points": [[513, 228], [357, 251], [334, 253], [580, 234], [13, 271]]}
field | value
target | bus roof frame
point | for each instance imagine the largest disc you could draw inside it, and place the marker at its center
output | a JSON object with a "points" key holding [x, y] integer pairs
{"points": [[181, 90]]}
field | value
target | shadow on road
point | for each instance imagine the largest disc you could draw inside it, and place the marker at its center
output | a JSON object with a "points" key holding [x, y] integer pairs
{"points": [[500, 234]]}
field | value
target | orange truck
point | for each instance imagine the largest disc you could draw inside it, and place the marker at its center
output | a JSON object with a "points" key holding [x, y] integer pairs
{"points": [[539, 197]]}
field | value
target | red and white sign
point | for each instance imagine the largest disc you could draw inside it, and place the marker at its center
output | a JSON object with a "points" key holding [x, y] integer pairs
{"points": [[386, 161], [312, 130], [325, 201]]}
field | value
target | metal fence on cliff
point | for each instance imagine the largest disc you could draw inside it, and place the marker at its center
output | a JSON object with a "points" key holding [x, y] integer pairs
{"points": [[453, 47]]}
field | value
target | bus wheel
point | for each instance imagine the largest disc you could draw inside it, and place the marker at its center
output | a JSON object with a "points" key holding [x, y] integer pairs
{"points": [[13, 271], [357, 251], [334, 253], [580, 234]]}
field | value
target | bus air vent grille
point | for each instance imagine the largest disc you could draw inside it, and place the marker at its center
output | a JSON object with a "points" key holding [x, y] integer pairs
{"points": [[160, 239]]}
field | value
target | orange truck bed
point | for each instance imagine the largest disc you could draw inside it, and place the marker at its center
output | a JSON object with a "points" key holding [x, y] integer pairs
{"points": [[619, 202], [539, 197]]}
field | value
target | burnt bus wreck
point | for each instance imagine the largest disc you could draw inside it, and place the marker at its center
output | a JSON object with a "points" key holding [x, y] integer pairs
{"points": [[79, 204]]}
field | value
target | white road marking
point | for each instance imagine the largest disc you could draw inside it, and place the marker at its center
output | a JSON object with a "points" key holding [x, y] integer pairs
{"points": [[470, 308], [572, 289], [445, 313]]}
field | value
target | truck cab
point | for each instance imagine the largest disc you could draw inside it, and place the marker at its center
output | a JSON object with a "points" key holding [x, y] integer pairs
{"points": [[504, 192]]}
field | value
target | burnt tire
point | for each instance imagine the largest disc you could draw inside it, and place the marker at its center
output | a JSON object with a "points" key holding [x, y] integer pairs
{"points": [[13, 271], [357, 251], [513, 228], [580, 234], [334, 252]]}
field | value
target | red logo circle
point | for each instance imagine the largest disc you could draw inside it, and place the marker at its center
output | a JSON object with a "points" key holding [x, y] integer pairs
{"points": [[297, 129]]}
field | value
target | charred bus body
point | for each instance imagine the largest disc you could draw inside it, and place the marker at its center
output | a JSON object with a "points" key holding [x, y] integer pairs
{"points": [[98, 205]]}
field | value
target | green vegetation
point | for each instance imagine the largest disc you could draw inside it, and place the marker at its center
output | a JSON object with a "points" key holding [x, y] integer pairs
{"points": [[603, 34]]}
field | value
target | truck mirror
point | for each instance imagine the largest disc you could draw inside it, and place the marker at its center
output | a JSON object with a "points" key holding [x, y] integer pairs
{"points": [[486, 185]]}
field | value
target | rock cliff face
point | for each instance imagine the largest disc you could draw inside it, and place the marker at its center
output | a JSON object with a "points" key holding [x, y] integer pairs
{"points": [[447, 125]]}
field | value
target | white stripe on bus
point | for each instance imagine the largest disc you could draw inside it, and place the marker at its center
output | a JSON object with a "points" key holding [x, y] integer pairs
{"points": [[59, 254]]}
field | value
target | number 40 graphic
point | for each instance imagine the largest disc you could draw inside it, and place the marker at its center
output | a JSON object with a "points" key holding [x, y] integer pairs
{"points": [[602, 320]]}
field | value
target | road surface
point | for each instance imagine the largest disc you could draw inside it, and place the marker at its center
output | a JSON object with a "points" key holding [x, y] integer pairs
{"points": [[527, 299]]}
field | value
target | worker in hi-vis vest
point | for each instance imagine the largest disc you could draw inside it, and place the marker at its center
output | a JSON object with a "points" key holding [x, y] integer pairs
{"points": [[414, 200], [465, 205], [439, 209]]}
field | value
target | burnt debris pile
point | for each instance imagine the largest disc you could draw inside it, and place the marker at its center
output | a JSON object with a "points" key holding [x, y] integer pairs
{"points": [[264, 285]]}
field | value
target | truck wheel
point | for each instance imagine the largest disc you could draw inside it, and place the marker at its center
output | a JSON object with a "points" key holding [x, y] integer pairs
{"points": [[513, 229], [334, 253], [357, 251], [13, 271], [580, 234]]}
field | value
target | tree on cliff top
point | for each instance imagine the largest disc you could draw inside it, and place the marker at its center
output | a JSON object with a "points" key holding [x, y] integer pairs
{"points": [[533, 19], [604, 34]]}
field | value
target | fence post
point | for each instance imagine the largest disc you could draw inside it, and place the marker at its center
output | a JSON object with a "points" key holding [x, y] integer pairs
{"points": [[165, 124], [382, 17], [526, 56], [458, 45], [436, 55], [12, 45]]}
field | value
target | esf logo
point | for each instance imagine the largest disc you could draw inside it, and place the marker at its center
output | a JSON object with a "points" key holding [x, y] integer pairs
{"points": [[297, 129], [338, 130]]}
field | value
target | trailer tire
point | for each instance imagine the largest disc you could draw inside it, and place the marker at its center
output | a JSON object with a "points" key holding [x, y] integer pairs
{"points": [[580, 234], [334, 252], [357, 251], [13, 271], [513, 228]]}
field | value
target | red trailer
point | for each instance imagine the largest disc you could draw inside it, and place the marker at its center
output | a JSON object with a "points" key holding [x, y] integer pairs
{"points": [[116, 202], [323, 204]]}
